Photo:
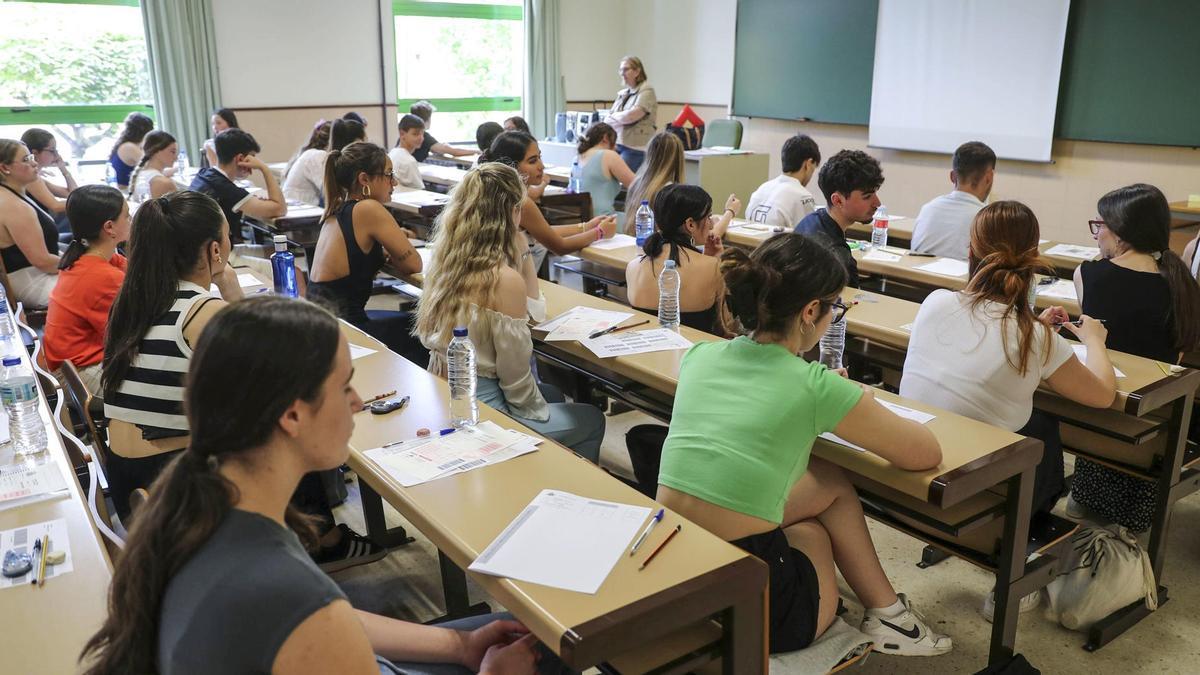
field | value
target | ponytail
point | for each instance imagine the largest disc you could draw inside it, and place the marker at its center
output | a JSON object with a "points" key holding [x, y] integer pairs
{"points": [[595, 135], [154, 143], [342, 168], [89, 207], [765, 290], [672, 207], [1185, 300]]}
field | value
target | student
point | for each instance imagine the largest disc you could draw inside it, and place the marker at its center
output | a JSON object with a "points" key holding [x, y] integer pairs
{"points": [[90, 274], [602, 171], [1151, 304], [214, 578], [237, 157], [737, 460], [634, 114], [849, 181], [425, 110], [355, 117], [982, 352], [152, 177], [943, 225], [28, 237], [663, 165], [302, 180], [520, 150], [517, 123], [357, 234], [127, 150], [484, 279], [52, 198], [486, 133], [1191, 258], [683, 223], [222, 119], [785, 201], [412, 132], [344, 132]]}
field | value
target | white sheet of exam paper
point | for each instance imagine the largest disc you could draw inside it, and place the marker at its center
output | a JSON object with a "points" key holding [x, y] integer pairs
{"points": [[631, 342], [1061, 288], [25, 483], [1081, 352], [1073, 251], [946, 266], [246, 280], [420, 460], [903, 411], [617, 241], [357, 352], [882, 256], [564, 541], [583, 322]]}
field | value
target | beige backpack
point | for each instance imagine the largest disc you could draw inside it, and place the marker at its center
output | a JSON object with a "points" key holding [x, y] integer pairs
{"points": [[1106, 571]]}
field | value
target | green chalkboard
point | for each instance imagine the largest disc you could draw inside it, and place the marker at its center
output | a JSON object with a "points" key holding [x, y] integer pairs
{"points": [[805, 59], [1131, 72]]}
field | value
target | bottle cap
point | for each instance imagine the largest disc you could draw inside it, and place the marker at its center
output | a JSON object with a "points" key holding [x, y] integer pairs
{"points": [[669, 265], [645, 202], [12, 361], [460, 331], [280, 239]]}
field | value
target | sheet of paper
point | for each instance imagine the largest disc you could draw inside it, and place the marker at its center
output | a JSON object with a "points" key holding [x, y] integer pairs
{"points": [[907, 328], [1073, 251], [420, 460], [631, 342], [357, 352], [882, 256], [830, 436], [426, 254], [1061, 288], [564, 541], [903, 411], [946, 266], [22, 539], [618, 241], [247, 280], [26, 482], [1081, 352], [584, 321], [1043, 241]]}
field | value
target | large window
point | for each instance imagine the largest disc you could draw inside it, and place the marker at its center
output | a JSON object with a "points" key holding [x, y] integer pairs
{"points": [[75, 68], [467, 58]]}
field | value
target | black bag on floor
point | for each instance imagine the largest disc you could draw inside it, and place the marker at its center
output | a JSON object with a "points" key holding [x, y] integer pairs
{"points": [[645, 443], [1017, 665]]}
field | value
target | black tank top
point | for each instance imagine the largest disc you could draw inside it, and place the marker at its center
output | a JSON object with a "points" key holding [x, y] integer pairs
{"points": [[1136, 308], [13, 258], [703, 320], [352, 291]]}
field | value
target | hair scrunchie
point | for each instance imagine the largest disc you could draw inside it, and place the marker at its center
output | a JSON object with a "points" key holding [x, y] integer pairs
{"points": [[1157, 255], [214, 464], [164, 204]]}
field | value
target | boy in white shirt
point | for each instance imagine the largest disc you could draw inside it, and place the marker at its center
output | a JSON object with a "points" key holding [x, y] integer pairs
{"points": [[404, 165], [943, 226], [784, 201]]}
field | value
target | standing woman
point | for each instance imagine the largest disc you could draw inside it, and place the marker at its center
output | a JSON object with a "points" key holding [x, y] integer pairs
{"points": [[152, 177], [663, 166], [635, 112], [602, 171], [482, 279], [91, 272], [127, 151], [1151, 304], [51, 197], [304, 178], [222, 119], [28, 238]]}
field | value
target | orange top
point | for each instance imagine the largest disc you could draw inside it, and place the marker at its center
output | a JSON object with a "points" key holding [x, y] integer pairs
{"points": [[78, 311]]}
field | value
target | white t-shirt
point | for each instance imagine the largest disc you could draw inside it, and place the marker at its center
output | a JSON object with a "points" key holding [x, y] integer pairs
{"points": [[306, 179], [956, 360], [782, 201], [141, 190], [404, 165], [943, 226]]}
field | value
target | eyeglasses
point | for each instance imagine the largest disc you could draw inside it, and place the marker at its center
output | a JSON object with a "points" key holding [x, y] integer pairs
{"points": [[1095, 225], [839, 309], [390, 175]]}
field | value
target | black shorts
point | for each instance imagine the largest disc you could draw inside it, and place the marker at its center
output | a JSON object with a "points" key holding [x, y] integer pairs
{"points": [[794, 591]]}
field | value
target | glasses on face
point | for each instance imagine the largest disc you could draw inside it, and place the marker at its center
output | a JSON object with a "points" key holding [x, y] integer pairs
{"points": [[1095, 225], [390, 175], [838, 308]]}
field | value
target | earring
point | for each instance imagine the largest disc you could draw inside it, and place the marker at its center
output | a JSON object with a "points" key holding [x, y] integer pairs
{"points": [[366, 190], [218, 258], [809, 326]]}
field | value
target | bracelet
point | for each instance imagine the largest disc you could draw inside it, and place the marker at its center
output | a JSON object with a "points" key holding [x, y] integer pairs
{"points": [[599, 233], [731, 212], [581, 225]]}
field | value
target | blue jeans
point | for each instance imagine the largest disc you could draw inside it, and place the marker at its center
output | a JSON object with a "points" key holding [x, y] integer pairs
{"points": [[578, 426], [547, 665], [633, 158]]}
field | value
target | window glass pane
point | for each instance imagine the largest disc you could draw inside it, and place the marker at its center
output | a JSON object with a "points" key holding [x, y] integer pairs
{"points": [[450, 127], [53, 54], [510, 3], [439, 57], [85, 147]]}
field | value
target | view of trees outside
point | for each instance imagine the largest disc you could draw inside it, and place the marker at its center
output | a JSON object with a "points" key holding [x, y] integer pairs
{"points": [[65, 54]]}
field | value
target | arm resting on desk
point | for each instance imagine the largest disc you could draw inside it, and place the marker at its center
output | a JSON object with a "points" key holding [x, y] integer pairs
{"points": [[905, 443], [443, 149]]}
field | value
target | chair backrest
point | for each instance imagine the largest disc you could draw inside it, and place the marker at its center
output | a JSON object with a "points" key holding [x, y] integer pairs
{"points": [[725, 133], [85, 407]]}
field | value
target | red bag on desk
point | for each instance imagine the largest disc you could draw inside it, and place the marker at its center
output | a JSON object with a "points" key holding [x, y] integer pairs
{"points": [[692, 136]]}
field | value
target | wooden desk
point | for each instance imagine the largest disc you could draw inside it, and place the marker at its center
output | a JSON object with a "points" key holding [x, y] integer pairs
{"points": [[446, 177], [699, 575], [1185, 211]]}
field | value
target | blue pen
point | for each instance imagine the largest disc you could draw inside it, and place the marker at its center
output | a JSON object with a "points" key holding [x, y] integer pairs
{"points": [[444, 432], [646, 532]]}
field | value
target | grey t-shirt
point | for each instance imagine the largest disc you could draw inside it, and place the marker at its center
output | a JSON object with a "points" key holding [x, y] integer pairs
{"points": [[230, 608]]}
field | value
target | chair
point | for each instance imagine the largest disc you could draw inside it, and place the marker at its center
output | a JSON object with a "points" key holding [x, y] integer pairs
{"points": [[725, 133]]}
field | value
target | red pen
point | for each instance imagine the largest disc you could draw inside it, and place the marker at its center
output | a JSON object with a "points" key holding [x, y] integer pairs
{"points": [[662, 546]]}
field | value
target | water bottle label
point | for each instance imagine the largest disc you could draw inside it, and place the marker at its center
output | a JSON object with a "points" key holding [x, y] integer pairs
{"points": [[17, 392]]}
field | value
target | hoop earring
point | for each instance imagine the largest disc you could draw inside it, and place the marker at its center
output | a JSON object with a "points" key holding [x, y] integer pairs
{"points": [[809, 326], [366, 190]]}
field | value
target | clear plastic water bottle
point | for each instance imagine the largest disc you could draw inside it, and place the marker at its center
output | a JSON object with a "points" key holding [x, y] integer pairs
{"points": [[181, 164], [283, 269], [19, 393], [7, 329], [575, 182], [460, 359], [643, 223], [668, 296], [110, 174], [832, 344], [879, 228]]}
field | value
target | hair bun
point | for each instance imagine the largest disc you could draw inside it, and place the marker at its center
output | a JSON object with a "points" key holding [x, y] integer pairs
{"points": [[746, 283]]}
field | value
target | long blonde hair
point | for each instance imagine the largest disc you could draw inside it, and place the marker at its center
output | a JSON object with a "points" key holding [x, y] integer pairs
{"points": [[473, 236], [664, 164]]}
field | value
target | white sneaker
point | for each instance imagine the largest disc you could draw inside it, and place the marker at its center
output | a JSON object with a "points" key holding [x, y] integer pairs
{"points": [[1027, 604], [1075, 510], [906, 634]]}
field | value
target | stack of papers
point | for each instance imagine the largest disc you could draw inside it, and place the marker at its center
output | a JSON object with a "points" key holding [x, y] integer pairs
{"points": [[946, 266], [617, 241], [1073, 251], [1081, 352], [564, 541], [25, 483], [903, 411], [1061, 288], [421, 460], [881, 256], [579, 322], [636, 342]]}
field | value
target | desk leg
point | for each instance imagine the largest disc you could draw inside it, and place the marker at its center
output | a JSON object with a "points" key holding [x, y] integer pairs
{"points": [[377, 530], [744, 642], [454, 590], [1018, 505]]}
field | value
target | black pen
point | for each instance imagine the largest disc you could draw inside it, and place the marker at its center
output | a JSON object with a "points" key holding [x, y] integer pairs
{"points": [[1076, 322], [922, 255], [614, 329]]}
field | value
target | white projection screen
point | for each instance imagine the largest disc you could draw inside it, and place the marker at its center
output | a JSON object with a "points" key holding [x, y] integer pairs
{"points": [[951, 71]]}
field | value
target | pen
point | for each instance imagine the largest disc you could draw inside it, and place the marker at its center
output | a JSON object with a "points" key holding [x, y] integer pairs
{"points": [[37, 551], [922, 255], [380, 397], [1076, 322], [662, 546], [447, 432], [616, 329], [42, 562], [646, 532]]}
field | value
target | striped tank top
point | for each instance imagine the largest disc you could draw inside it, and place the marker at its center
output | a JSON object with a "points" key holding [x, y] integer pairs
{"points": [[151, 396]]}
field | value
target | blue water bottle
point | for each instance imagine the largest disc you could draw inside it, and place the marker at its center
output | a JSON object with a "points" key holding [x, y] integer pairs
{"points": [[283, 269]]}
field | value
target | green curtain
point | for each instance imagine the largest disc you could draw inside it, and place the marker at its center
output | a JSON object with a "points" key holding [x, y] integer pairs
{"points": [[183, 68], [544, 94]]}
